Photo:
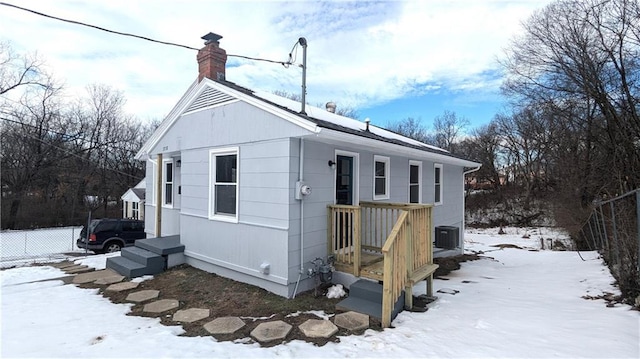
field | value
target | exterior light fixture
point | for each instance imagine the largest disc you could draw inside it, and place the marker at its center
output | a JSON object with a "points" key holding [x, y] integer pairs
{"points": [[331, 164]]}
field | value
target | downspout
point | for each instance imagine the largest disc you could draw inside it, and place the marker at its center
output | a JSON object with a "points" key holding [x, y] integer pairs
{"points": [[158, 233], [300, 179], [464, 173]]}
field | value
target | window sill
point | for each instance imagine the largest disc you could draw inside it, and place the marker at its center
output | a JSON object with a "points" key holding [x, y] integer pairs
{"points": [[380, 198], [222, 218]]}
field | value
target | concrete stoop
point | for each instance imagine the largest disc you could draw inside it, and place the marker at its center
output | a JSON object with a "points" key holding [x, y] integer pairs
{"points": [[148, 256], [365, 297]]}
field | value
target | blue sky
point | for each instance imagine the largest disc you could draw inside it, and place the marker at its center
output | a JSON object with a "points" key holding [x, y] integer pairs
{"points": [[388, 59]]}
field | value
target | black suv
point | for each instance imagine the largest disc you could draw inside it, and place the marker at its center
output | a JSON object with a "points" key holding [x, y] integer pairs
{"points": [[110, 235]]}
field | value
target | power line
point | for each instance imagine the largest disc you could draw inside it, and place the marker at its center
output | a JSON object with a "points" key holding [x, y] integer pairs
{"points": [[75, 22]]}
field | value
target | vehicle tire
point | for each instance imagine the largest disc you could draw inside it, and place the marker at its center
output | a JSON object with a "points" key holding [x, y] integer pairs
{"points": [[112, 247]]}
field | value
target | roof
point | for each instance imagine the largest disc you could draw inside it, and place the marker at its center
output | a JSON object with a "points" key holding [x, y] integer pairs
{"points": [[315, 119]]}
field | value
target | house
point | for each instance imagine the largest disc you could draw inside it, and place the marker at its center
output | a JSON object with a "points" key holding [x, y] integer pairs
{"points": [[133, 201], [257, 190]]}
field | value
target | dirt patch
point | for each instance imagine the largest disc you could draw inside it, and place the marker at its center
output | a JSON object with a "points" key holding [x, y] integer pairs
{"points": [[195, 288], [449, 264], [508, 245]]}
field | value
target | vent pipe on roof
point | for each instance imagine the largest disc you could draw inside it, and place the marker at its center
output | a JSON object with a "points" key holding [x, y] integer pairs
{"points": [[366, 121], [331, 107], [303, 42]]}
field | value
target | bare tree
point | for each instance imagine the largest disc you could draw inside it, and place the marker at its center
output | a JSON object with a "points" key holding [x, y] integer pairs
{"points": [[448, 130], [19, 70], [412, 128], [581, 57]]}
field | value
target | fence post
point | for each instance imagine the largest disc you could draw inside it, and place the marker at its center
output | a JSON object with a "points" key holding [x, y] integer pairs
{"points": [[638, 227], [614, 229], [606, 236], [25, 242]]}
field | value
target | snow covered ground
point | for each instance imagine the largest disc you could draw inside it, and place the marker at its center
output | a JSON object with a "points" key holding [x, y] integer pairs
{"points": [[514, 303]]}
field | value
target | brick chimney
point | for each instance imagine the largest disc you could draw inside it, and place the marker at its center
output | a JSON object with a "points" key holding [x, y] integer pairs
{"points": [[211, 58]]}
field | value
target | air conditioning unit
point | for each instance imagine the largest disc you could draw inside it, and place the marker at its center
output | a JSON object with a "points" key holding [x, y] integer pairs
{"points": [[447, 237]]}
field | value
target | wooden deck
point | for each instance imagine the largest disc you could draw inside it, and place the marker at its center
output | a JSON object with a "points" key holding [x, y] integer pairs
{"points": [[388, 242]]}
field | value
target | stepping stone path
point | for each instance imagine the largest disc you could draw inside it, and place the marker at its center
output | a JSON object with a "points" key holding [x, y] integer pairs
{"points": [[318, 328], [191, 315], [77, 269], [120, 287], [270, 331], [161, 305], [224, 325], [143, 295], [352, 321]]}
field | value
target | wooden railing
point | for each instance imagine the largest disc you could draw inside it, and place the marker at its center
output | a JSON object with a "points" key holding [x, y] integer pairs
{"points": [[395, 266], [401, 233]]}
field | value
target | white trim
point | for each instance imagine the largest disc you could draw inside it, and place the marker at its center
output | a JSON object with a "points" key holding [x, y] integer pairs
{"points": [[438, 165], [377, 146], [356, 175], [420, 185], [212, 170], [165, 162], [387, 177]]}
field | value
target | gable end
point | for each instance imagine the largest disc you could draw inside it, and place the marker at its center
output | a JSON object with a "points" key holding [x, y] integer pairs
{"points": [[208, 98]]}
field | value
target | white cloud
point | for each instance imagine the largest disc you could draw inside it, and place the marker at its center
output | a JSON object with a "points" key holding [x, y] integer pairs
{"points": [[360, 53]]}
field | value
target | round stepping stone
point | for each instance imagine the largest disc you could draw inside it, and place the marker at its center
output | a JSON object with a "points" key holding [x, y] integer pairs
{"points": [[270, 331], [160, 306], [120, 287], [143, 295], [190, 315], [352, 321], [224, 325], [318, 328]]}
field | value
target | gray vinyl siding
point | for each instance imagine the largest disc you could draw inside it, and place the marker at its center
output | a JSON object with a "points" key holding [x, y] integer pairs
{"points": [[320, 177], [226, 125]]}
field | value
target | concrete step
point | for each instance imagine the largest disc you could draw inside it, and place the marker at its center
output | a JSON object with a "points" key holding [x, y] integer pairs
{"points": [[163, 245], [366, 297], [144, 257], [366, 289], [129, 268], [360, 305]]}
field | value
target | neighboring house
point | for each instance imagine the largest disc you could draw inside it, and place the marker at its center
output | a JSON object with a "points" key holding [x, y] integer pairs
{"points": [[256, 190], [133, 201]]}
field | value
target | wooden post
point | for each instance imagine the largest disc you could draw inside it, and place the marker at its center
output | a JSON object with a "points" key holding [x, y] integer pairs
{"points": [[408, 290], [159, 196], [330, 231], [387, 289], [357, 241]]}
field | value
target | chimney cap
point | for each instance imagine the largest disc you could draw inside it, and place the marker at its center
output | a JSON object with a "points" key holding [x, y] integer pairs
{"points": [[211, 37]]}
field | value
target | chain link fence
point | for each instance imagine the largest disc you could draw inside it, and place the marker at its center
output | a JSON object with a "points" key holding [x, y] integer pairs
{"points": [[613, 229], [37, 244]]}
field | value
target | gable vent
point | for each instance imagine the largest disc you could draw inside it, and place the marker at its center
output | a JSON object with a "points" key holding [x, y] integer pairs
{"points": [[209, 97]]}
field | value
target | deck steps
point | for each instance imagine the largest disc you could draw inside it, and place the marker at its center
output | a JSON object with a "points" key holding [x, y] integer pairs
{"points": [[365, 297], [148, 256]]}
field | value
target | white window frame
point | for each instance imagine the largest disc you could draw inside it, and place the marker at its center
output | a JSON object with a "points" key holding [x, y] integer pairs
{"points": [[165, 182], [437, 187], [212, 184], [419, 165], [387, 177]]}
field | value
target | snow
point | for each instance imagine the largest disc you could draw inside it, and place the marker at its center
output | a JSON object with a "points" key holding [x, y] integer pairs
{"points": [[514, 303], [347, 122]]}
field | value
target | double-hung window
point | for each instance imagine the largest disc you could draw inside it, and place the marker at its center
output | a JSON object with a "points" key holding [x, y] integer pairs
{"points": [[167, 192], [135, 210], [415, 181], [381, 167], [223, 192], [437, 170]]}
